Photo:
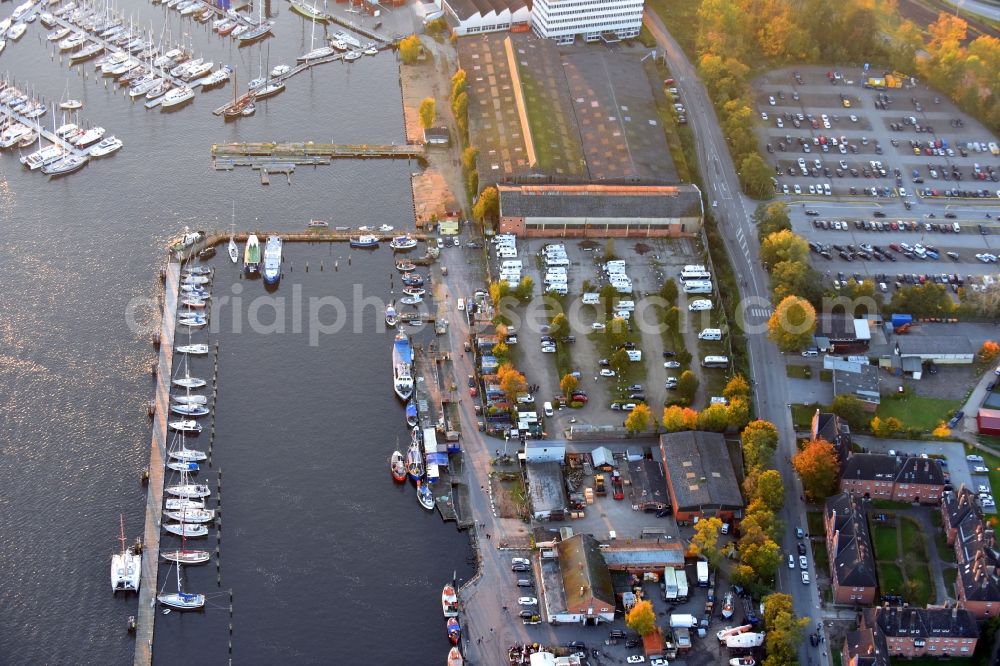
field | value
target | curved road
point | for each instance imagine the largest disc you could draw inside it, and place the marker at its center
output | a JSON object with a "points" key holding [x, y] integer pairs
{"points": [[733, 212]]}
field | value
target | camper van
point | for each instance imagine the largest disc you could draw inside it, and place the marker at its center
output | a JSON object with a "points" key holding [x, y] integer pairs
{"points": [[710, 334], [700, 304], [558, 261], [634, 355], [695, 275], [511, 264], [626, 305], [698, 287], [591, 298], [506, 253], [715, 362]]}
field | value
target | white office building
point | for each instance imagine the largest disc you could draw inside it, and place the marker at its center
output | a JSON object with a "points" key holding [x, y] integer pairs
{"points": [[563, 20]]}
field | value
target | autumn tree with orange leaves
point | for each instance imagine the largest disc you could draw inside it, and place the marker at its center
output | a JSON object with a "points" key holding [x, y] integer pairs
{"points": [[818, 469]]}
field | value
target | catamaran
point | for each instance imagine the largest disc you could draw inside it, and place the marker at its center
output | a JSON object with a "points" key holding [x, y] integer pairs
{"points": [[126, 566]]}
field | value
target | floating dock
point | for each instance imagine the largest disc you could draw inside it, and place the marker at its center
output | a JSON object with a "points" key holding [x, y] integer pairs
{"points": [[230, 155], [157, 456], [40, 129]]}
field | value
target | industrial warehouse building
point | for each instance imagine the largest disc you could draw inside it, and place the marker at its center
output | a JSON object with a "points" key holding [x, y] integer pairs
{"points": [[472, 17], [600, 211]]}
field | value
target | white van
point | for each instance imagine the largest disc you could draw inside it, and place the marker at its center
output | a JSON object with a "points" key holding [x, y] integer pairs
{"points": [[700, 304], [461, 304], [623, 288], [688, 276], [547, 407], [710, 334], [591, 298], [634, 355], [626, 305]]}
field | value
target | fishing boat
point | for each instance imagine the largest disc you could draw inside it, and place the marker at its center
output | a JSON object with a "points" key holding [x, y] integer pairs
{"points": [[455, 657], [177, 96], [449, 601], [414, 461], [364, 241], [255, 33], [316, 54], [412, 419], [280, 70], [180, 599], [309, 11], [317, 224], [390, 315], [65, 165], [454, 630], [272, 260], [106, 147], [424, 495], [192, 515], [405, 266], [403, 243], [185, 426], [397, 467], [183, 466], [184, 529], [402, 364], [411, 299], [251, 255], [727, 605], [126, 566]]}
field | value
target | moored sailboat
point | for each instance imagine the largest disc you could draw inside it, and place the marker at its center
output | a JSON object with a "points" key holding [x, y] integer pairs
{"points": [[180, 599], [126, 566]]}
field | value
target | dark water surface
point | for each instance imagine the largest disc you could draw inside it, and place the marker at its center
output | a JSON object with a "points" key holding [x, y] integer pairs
{"points": [[328, 561]]}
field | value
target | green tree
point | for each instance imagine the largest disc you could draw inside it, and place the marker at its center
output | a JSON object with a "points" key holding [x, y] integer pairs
{"points": [[784, 630], [850, 409], [619, 361], [639, 419], [755, 175], [792, 325], [616, 331], [705, 540], [886, 427], [460, 109], [738, 413], [818, 469], [641, 618], [409, 49], [795, 278], [568, 384], [922, 301], [668, 291], [687, 386], [608, 295], [469, 172], [609, 250], [714, 418], [771, 218], [487, 206], [736, 388], [764, 558], [428, 112], [672, 320], [525, 288], [784, 245], [771, 489], [559, 326], [759, 439]]}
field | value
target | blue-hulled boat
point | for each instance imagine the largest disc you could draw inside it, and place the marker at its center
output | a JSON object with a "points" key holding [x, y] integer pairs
{"points": [[411, 414], [364, 241]]}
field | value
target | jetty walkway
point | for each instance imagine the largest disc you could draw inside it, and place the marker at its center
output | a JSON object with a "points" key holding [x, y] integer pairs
{"points": [[230, 155], [40, 129], [157, 457]]}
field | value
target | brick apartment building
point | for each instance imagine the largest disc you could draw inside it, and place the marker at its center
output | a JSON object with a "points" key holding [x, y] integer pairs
{"points": [[849, 550], [879, 476], [918, 632]]}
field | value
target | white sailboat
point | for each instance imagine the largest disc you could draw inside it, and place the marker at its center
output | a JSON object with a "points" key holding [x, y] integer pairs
{"points": [[234, 251], [183, 453], [126, 566], [186, 380], [180, 599], [191, 515], [185, 529], [179, 504]]}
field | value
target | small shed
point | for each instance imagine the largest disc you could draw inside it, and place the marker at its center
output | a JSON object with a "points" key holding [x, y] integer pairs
{"points": [[603, 459], [436, 136]]}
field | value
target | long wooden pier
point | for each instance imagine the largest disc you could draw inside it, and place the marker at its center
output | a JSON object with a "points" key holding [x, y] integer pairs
{"points": [[157, 456], [229, 155]]}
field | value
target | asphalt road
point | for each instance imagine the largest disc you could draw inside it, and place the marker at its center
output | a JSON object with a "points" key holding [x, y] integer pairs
{"points": [[733, 212]]}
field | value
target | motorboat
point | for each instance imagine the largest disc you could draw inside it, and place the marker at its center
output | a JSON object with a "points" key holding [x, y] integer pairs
{"points": [[42, 156], [424, 495], [197, 349], [34, 110], [239, 30], [185, 426], [390, 315], [175, 56], [742, 661], [280, 70], [194, 302], [189, 490], [339, 44], [402, 366], [158, 91], [257, 32], [403, 243], [412, 299], [397, 467], [414, 291], [227, 27], [413, 280], [181, 600], [183, 466], [351, 56], [71, 105], [454, 630], [364, 241], [197, 71], [112, 61], [126, 566], [87, 52], [64, 131], [64, 165], [47, 20], [193, 322], [190, 409], [16, 31], [179, 70], [455, 657], [251, 255], [405, 266], [317, 224], [256, 83], [195, 291], [309, 11], [412, 418], [371, 50], [197, 279], [191, 515], [183, 529], [414, 462], [269, 90], [106, 147], [141, 88], [449, 601], [727, 606], [93, 135], [248, 110], [272, 260], [316, 54], [58, 35], [73, 41], [217, 77], [190, 399], [13, 135], [177, 96]]}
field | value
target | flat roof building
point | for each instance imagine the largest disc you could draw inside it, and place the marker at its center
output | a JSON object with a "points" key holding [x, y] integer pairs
{"points": [[951, 349], [597, 211], [843, 333], [545, 488], [563, 20], [861, 381], [699, 474]]}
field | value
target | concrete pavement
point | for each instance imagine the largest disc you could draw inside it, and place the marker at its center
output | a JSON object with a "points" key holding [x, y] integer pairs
{"points": [[733, 213]]}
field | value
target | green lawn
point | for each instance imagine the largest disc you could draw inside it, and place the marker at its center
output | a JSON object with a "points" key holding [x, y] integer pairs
{"points": [[918, 412], [919, 573], [945, 552], [884, 539], [913, 538], [802, 415], [826, 375], [798, 371], [820, 558], [890, 578], [814, 522], [681, 19]]}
